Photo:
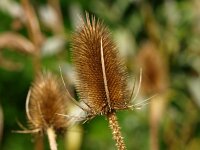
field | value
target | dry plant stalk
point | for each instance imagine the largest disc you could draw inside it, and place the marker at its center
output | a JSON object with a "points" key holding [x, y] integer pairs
{"points": [[22, 44], [59, 28], [45, 101], [32, 24], [101, 75], [16, 41], [35, 34], [151, 25]]}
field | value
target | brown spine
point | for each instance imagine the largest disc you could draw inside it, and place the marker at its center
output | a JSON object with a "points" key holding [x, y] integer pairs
{"points": [[117, 136]]}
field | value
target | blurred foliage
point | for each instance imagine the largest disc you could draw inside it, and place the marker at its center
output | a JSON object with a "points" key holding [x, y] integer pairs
{"points": [[173, 26]]}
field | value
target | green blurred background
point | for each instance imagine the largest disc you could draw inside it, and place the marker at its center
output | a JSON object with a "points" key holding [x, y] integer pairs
{"points": [[161, 37]]}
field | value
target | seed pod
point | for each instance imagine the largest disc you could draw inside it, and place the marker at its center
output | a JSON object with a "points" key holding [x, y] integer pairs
{"points": [[101, 75], [154, 67], [45, 101]]}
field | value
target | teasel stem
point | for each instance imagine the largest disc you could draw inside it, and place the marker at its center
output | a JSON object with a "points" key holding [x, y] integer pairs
{"points": [[39, 145], [114, 125], [154, 124], [52, 138], [34, 33], [157, 108]]}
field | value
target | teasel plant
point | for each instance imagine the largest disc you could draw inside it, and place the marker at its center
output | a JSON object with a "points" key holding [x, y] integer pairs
{"points": [[101, 76], [46, 100], [155, 81]]}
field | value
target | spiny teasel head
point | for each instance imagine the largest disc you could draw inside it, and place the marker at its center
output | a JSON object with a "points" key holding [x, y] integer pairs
{"points": [[101, 74], [154, 68], [45, 101]]}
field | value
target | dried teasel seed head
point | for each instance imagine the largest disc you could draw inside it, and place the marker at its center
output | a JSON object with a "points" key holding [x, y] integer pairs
{"points": [[45, 101], [155, 70], [101, 74]]}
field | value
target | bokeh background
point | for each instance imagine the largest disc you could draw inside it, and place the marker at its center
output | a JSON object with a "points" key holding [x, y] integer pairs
{"points": [[161, 37]]}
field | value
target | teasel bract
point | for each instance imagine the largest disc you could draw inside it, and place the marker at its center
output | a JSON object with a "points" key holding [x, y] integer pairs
{"points": [[45, 102], [101, 74]]}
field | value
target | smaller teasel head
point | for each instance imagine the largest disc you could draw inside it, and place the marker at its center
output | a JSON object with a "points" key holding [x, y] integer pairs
{"points": [[45, 101], [155, 79]]}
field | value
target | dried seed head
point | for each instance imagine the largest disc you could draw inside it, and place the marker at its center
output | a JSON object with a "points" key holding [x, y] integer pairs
{"points": [[154, 69], [101, 75], [46, 100]]}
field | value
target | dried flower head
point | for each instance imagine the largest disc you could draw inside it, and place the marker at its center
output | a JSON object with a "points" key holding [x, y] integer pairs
{"points": [[45, 101], [101, 74], [155, 70]]}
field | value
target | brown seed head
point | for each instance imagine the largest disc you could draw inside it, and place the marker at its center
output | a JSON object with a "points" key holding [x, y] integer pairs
{"points": [[101, 75], [155, 77], [46, 101]]}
